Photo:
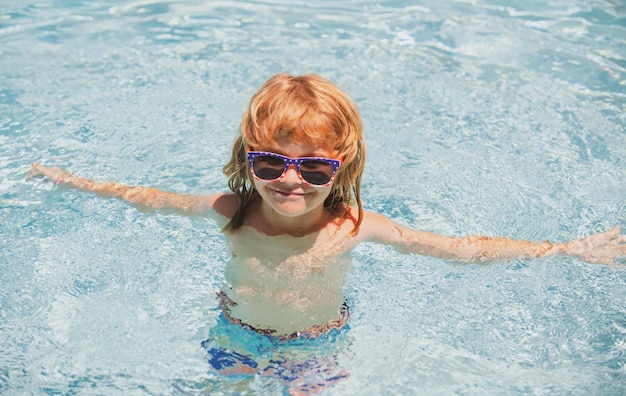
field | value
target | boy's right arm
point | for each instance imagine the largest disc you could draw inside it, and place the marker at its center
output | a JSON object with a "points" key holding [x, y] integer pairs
{"points": [[144, 196]]}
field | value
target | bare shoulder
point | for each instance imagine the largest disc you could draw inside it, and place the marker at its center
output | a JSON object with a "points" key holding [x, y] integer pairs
{"points": [[224, 203], [375, 228]]}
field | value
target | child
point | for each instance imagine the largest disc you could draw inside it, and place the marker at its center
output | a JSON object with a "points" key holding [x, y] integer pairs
{"points": [[295, 212]]}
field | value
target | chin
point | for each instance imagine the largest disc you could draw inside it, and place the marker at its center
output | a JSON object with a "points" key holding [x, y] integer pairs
{"points": [[291, 209]]}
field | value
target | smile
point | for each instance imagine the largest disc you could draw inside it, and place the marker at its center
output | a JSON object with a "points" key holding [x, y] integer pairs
{"points": [[287, 193]]}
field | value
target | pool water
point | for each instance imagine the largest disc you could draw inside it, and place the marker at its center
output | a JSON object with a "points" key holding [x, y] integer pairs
{"points": [[486, 117]]}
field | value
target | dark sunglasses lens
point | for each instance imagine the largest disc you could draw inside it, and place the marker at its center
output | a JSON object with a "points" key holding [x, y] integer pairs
{"points": [[268, 168], [316, 172]]}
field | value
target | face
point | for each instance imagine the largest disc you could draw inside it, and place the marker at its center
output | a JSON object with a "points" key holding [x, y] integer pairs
{"points": [[289, 195]]}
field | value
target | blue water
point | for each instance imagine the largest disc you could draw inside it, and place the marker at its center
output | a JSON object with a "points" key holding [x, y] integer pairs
{"points": [[482, 117]]}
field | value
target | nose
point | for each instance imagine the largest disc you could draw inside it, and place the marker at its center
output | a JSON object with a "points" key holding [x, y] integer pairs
{"points": [[291, 175]]}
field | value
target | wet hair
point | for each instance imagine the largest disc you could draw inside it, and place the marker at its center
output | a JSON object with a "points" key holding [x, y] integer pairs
{"points": [[310, 110]]}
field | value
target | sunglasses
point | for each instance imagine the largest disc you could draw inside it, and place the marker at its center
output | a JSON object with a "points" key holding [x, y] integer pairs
{"points": [[316, 171]]}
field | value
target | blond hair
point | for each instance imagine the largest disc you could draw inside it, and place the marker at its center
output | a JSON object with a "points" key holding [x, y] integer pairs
{"points": [[307, 109]]}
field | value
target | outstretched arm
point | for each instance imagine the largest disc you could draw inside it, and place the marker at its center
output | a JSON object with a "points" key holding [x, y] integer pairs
{"points": [[607, 247], [145, 196]]}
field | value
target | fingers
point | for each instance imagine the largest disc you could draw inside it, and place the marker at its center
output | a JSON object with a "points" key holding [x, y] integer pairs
{"points": [[604, 238], [616, 236], [54, 174], [608, 247], [614, 232], [612, 252], [34, 171]]}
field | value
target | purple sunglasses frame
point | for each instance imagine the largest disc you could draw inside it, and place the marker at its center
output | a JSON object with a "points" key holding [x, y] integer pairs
{"points": [[296, 162]]}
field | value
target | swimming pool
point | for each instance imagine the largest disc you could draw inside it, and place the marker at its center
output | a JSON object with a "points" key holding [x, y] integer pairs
{"points": [[481, 117]]}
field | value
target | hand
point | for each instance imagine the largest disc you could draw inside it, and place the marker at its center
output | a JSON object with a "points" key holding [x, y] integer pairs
{"points": [[56, 175], [607, 247]]}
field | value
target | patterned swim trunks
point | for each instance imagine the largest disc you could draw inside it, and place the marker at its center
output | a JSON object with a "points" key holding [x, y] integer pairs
{"points": [[308, 361]]}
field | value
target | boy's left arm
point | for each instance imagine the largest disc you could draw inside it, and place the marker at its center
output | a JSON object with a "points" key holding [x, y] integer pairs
{"points": [[605, 247]]}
